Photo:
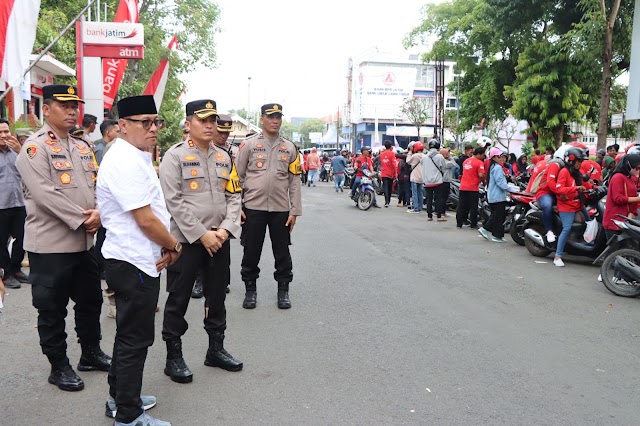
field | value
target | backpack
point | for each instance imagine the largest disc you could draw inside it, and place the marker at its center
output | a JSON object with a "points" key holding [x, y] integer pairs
{"points": [[538, 182]]}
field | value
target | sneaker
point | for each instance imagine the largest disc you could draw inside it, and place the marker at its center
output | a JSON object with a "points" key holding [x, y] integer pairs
{"points": [[144, 420], [21, 277], [558, 261], [484, 233], [148, 402], [341, 189], [386, 205], [600, 278], [12, 283], [497, 240], [551, 237], [413, 212]]}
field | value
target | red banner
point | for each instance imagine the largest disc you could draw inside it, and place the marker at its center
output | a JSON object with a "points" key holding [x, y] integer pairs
{"points": [[158, 81], [113, 69]]}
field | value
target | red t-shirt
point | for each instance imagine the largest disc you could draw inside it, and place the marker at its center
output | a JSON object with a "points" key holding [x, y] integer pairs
{"points": [[536, 158], [593, 168], [617, 200], [549, 180], [539, 168], [470, 180], [567, 192], [360, 161], [388, 167]]}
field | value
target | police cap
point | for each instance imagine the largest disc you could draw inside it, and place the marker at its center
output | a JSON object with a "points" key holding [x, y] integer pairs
{"points": [[202, 108], [61, 93]]}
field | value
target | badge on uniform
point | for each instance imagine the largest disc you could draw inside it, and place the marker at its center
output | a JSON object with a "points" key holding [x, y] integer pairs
{"points": [[31, 151], [51, 143], [259, 156], [220, 156], [67, 164], [259, 145], [58, 165], [194, 172], [194, 186], [190, 158], [225, 173], [91, 166], [65, 178], [283, 158], [190, 143], [259, 164], [56, 149], [52, 135], [283, 147]]}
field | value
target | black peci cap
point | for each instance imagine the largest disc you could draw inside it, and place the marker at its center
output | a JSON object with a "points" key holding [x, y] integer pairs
{"points": [[202, 109], [61, 93], [225, 123], [136, 105], [269, 109]]}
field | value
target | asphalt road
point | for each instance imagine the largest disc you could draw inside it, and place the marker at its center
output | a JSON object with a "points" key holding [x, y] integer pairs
{"points": [[395, 320]]}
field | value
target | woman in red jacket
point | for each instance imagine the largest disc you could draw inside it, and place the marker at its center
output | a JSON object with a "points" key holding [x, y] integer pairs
{"points": [[569, 185], [622, 196]]}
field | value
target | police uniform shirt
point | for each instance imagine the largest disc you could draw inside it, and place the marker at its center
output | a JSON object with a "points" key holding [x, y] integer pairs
{"points": [[59, 177], [10, 183], [196, 187], [128, 181], [265, 177]]}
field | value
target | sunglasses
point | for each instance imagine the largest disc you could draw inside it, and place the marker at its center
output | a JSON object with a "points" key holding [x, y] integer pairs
{"points": [[146, 124]]}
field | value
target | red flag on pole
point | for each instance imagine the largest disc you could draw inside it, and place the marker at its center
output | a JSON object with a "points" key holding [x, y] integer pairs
{"points": [[113, 69], [158, 81], [18, 22]]}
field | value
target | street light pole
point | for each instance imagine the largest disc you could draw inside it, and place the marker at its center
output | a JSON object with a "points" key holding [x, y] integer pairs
{"points": [[248, 103]]}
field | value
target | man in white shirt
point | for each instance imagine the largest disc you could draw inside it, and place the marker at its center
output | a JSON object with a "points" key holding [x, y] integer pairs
{"points": [[137, 247]]}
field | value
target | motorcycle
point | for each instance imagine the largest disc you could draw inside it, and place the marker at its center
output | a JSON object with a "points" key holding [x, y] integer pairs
{"points": [[535, 240], [620, 270], [454, 195], [484, 210], [365, 192], [521, 204], [349, 175], [325, 173]]}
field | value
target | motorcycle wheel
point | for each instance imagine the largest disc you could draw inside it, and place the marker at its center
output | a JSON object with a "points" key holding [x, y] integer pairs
{"points": [[616, 285], [365, 200], [517, 232], [534, 248]]}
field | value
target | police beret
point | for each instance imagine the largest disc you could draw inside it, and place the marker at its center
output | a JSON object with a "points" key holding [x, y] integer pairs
{"points": [[202, 108], [269, 109], [61, 93], [136, 105]]}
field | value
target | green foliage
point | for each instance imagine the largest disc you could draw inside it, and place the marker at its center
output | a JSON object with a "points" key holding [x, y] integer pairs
{"points": [[418, 111], [312, 125], [287, 129], [527, 149], [545, 92]]}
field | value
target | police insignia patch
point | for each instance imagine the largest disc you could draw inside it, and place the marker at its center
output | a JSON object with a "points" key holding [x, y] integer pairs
{"points": [[65, 178], [67, 164], [31, 151], [225, 173], [259, 156], [194, 186], [56, 150], [190, 143], [58, 164], [51, 143], [190, 158], [283, 158], [283, 147], [52, 135], [194, 172], [259, 164], [219, 156], [259, 145]]}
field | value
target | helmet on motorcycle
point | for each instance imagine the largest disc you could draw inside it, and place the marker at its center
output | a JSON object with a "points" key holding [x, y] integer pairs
{"points": [[418, 147], [365, 148], [434, 143], [484, 141], [559, 154], [574, 154], [633, 149]]}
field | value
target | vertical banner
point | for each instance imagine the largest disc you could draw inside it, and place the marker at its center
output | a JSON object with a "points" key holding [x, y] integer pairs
{"points": [[158, 81], [18, 23], [113, 69]]}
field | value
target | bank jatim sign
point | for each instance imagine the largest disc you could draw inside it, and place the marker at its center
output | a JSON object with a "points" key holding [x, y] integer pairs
{"points": [[120, 40]]}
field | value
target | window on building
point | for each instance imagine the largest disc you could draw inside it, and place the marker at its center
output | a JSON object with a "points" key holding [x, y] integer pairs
{"points": [[451, 103], [425, 76]]}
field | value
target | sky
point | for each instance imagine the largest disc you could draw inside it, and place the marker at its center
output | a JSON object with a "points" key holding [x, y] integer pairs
{"points": [[297, 53]]}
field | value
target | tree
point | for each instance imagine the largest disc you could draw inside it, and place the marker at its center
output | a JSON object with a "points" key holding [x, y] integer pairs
{"points": [[451, 123], [545, 92], [287, 129], [503, 131], [418, 111], [312, 125]]}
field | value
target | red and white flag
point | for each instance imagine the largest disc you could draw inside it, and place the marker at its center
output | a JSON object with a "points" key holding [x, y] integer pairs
{"points": [[158, 81], [18, 23], [113, 69]]}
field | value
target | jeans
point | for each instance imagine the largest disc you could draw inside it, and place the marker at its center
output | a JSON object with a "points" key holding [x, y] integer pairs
{"points": [[338, 179], [546, 203], [567, 220], [313, 177], [387, 186], [418, 199]]}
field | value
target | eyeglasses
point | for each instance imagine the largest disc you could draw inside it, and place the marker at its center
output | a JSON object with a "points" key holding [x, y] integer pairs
{"points": [[146, 124]]}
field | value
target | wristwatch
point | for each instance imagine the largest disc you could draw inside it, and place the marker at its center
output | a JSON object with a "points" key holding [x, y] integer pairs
{"points": [[178, 247]]}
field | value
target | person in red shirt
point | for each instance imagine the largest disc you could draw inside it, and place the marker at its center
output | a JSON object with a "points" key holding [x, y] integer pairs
{"points": [[361, 163], [537, 157], [539, 168], [622, 195], [472, 176], [305, 168], [568, 187], [546, 196], [592, 169], [388, 171]]}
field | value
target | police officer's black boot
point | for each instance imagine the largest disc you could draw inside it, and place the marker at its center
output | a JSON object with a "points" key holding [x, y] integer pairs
{"points": [[250, 296], [283, 296], [217, 356], [62, 375], [93, 358], [197, 291], [176, 368]]}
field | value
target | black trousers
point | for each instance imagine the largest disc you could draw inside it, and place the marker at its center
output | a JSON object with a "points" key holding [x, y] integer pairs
{"points": [[468, 208], [252, 239], [136, 296], [434, 195], [214, 273], [445, 188], [55, 278], [100, 237], [12, 225], [387, 187], [495, 224]]}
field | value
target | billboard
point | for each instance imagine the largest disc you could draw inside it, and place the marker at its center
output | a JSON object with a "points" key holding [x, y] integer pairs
{"points": [[113, 33], [381, 89]]}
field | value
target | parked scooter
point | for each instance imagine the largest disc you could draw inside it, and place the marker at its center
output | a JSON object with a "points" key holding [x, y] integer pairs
{"points": [[521, 204], [620, 269], [454, 195], [536, 242], [365, 192]]}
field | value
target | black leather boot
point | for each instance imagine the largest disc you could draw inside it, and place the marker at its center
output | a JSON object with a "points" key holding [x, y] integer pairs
{"points": [[176, 368], [283, 296], [250, 296], [62, 375], [217, 356], [197, 291], [93, 358]]}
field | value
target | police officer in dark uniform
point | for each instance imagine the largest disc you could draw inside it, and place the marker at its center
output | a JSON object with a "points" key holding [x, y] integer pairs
{"points": [[59, 175], [269, 171], [202, 193]]}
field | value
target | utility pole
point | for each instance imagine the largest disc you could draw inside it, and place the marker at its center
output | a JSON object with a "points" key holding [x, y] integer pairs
{"points": [[457, 77], [248, 103]]}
